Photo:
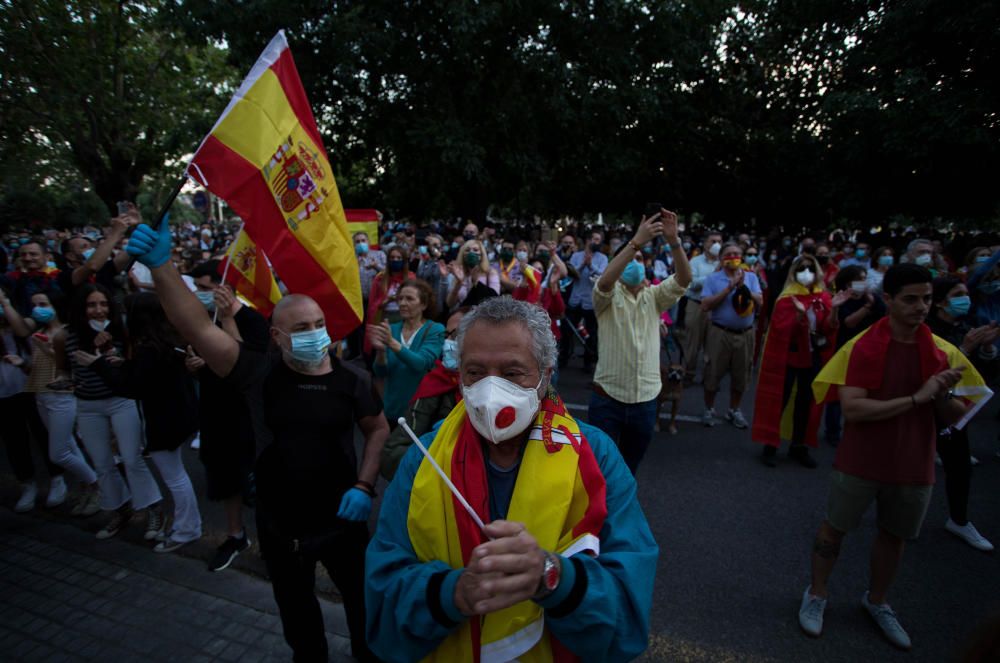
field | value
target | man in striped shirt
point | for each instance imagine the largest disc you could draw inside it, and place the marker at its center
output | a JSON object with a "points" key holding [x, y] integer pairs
{"points": [[627, 379]]}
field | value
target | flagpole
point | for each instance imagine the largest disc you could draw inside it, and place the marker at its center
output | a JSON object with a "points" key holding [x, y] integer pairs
{"points": [[170, 201], [229, 260]]}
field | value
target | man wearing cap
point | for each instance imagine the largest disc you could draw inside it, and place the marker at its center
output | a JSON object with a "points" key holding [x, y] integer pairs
{"points": [[731, 298], [564, 566]]}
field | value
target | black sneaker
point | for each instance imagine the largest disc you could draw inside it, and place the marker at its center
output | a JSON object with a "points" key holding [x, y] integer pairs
{"points": [[801, 455], [768, 456], [228, 551]]}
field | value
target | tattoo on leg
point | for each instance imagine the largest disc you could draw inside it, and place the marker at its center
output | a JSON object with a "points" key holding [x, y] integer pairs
{"points": [[826, 549]]}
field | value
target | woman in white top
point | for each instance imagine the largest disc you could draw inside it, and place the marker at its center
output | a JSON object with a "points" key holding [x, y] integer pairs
{"points": [[471, 269]]}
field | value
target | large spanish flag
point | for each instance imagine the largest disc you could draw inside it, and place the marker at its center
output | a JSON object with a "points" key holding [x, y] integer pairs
{"points": [[265, 157], [861, 363], [246, 269]]}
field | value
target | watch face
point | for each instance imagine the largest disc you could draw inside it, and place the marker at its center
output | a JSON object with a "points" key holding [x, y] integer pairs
{"points": [[551, 575]]}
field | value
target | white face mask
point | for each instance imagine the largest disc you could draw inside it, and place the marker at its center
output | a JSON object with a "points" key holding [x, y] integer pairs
{"points": [[500, 409], [714, 249], [859, 287], [98, 325], [924, 259], [805, 277]]}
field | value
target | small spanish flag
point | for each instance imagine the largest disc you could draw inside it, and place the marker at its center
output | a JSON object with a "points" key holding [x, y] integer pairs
{"points": [[247, 270], [861, 363], [265, 158]]}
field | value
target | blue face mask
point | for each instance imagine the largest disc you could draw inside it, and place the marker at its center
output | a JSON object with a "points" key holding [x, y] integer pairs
{"points": [[885, 261], [633, 274], [310, 347], [88, 253], [751, 260], [207, 299], [361, 248], [449, 354], [989, 287], [396, 265], [981, 259], [958, 306], [42, 315], [860, 253]]}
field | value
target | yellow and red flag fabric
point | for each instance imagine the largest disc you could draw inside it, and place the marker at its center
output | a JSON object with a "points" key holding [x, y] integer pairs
{"points": [[265, 158], [861, 363], [560, 496], [246, 269], [364, 221]]}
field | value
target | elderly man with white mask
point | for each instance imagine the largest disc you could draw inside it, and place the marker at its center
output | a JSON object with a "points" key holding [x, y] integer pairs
{"points": [[566, 562]]}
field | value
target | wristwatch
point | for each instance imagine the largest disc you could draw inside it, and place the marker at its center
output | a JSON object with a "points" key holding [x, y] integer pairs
{"points": [[551, 572]]}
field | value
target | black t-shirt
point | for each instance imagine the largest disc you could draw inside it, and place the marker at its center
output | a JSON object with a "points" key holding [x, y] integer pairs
{"points": [[307, 424]]}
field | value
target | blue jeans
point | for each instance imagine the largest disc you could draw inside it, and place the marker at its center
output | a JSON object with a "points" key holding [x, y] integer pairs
{"points": [[630, 425]]}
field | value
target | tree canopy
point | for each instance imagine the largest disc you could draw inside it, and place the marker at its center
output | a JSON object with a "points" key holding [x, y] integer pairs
{"points": [[766, 112]]}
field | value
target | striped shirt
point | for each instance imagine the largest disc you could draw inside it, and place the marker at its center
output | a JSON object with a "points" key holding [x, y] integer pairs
{"points": [[87, 384], [628, 339]]}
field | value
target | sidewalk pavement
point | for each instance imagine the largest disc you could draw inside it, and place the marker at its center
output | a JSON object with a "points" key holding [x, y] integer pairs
{"points": [[68, 597]]}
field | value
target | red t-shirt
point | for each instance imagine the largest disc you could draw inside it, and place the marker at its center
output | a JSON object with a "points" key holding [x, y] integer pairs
{"points": [[899, 450]]}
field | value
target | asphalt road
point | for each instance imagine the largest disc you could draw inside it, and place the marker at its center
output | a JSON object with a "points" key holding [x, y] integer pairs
{"points": [[734, 541], [735, 538]]}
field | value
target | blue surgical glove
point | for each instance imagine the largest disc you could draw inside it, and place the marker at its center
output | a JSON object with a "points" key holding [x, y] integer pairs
{"points": [[151, 247], [356, 505]]}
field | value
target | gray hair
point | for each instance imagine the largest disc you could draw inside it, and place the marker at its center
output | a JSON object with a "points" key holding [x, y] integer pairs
{"points": [[912, 246], [502, 310]]}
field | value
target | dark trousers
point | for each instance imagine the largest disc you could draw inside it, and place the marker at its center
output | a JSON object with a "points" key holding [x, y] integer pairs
{"points": [[803, 378], [569, 337], [21, 424], [630, 425], [832, 417], [954, 451], [292, 568]]}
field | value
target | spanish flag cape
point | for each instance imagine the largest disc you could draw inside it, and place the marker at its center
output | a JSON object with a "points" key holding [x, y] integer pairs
{"points": [[438, 381], [772, 414], [559, 496], [861, 363], [530, 289]]}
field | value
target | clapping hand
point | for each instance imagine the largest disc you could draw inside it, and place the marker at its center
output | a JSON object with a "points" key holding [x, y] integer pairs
{"points": [[502, 572], [980, 336], [840, 298], [938, 384], [14, 360]]}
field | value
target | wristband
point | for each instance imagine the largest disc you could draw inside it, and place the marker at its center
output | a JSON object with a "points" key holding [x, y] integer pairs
{"points": [[633, 245], [366, 486]]}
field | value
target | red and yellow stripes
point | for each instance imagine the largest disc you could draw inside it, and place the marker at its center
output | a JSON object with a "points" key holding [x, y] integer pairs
{"points": [[265, 157]]}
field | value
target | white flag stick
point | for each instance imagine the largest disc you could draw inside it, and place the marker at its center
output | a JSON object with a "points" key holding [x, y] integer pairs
{"points": [[402, 422]]}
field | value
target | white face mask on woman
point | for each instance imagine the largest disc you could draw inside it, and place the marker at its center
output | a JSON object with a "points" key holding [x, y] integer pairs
{"points": [[805, 277], [500, 409]]}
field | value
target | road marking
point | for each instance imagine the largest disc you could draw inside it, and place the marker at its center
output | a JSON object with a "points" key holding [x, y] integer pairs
{"points": [[680, 417]]}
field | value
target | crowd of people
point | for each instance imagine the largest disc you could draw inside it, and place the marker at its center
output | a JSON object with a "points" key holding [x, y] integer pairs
{"points": [[121, 345]]}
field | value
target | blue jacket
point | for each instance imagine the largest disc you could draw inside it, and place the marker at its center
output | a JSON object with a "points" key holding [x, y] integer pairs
{"points": [[610, 623], [404, 370]]}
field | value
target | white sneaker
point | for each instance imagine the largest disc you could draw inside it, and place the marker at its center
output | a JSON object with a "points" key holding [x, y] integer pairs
{"points": [[811, 613], [888, 622], [735, 417], [708, 418], [973, 461], [969, 534], [57, 492], [196, 442], [28, 496], [937, 460]]}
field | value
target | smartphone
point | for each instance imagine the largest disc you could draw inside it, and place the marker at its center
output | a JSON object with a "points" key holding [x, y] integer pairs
{"points": [[122, 207], [652, 209]]}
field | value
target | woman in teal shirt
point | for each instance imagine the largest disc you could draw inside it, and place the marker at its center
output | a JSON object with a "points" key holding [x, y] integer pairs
{"points": [[407, 350]]}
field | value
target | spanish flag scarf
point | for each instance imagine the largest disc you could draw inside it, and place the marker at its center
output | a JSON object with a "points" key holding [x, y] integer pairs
{"points": [[861, 363], [559, 496]]}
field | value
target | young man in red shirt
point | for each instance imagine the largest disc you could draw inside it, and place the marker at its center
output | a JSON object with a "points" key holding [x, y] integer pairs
{"points": [[897, 383]]}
